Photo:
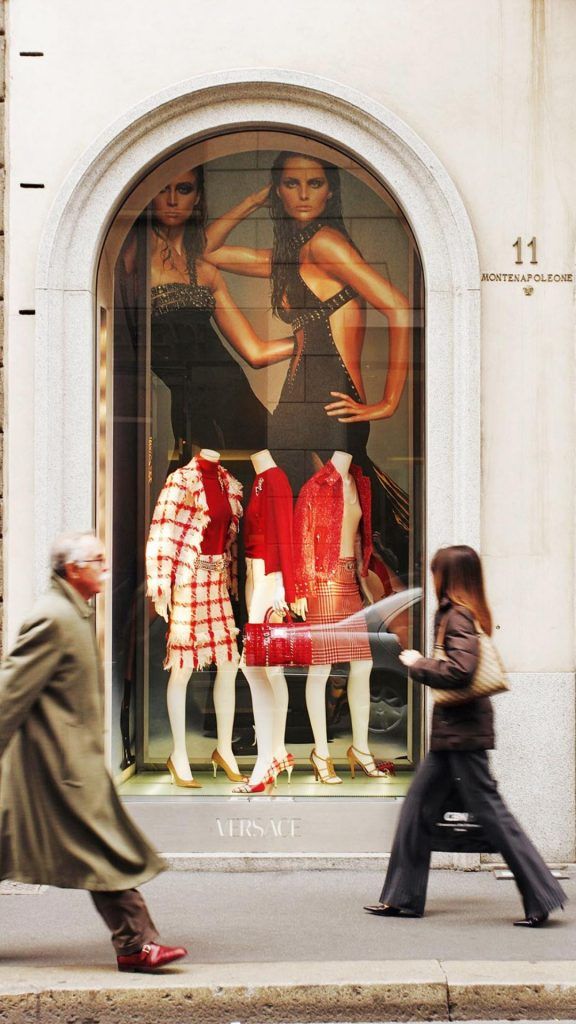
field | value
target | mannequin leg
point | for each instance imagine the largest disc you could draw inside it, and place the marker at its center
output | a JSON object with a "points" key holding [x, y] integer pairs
{"points": [[263, 710], [279, 687], [359, 703], [224, 696], [316, 705], [176, 702], [266, 685]]}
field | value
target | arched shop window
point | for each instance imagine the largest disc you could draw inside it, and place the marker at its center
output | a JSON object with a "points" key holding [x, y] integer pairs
{"points": [[248, 282]]}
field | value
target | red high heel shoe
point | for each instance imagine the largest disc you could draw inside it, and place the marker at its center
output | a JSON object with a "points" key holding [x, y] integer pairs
{"points": [[267, 783]]}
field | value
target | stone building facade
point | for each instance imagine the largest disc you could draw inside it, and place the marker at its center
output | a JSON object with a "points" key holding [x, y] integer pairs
{"points": [[458, 115]]}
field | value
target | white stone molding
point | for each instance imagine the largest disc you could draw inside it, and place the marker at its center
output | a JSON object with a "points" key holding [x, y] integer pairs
{"points": [[192, 110]]}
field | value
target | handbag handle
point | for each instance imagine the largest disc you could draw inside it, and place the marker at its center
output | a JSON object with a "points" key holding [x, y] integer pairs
{"points": [[286, 616], [441, 634]]}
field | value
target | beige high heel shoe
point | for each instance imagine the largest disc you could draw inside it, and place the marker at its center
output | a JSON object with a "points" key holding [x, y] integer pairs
{"points": [[374, 769], [219, 762], [184, 783], [286, 764], [324, 772]]}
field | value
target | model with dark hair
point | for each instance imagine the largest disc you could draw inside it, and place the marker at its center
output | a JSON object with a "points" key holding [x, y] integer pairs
{"points": [[320, 285], [213, 405], [460, 738]]}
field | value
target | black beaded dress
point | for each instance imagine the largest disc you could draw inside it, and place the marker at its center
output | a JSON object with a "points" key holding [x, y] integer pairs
{"points": [[212, 403], [299, 425]]}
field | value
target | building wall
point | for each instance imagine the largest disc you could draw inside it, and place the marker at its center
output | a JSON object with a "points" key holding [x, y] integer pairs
{"points": [[2, 172], [489, 88]]}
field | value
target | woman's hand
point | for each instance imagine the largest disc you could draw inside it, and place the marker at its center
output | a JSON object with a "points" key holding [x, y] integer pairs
{"points": [[347, 410], [258, 199], [409, 658], [300, 607], [163, 602]]}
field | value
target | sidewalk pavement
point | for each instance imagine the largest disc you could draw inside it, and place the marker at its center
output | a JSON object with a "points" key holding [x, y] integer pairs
{"points": [[291, 946]]}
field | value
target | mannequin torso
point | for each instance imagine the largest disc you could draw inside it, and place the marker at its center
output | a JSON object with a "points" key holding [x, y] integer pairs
{"points": [[352, 511]]}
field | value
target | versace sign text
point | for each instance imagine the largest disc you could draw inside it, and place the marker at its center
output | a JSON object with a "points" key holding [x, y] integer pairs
{"points": [[259, 828]]}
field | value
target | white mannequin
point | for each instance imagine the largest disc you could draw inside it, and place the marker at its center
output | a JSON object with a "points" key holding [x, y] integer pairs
{"points": [[358, 687], [268, 686], [224, 695]]}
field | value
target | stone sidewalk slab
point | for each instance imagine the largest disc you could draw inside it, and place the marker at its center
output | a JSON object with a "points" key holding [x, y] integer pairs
{"points": [[292, 993], [517, 990]]}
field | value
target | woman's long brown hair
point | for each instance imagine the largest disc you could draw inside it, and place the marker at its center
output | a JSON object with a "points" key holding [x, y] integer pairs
{"points": [[458, 576], [286, 259]]}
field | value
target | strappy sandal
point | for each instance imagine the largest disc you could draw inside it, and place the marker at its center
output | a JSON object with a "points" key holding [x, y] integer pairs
{"points": [[374, 769], [324, 772]]}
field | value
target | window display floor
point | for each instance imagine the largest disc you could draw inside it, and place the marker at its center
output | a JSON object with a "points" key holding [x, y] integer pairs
{"points": [[155, 784]]}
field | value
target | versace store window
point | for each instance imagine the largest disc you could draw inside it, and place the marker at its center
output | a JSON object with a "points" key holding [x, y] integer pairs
{"points": [[261, 474]]}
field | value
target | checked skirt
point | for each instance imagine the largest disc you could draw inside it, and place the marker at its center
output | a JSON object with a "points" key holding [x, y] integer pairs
{"points": [[202, 631], [335, 614]]}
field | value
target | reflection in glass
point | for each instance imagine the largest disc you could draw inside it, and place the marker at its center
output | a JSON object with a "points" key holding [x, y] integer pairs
{"points": [[337, 263]]}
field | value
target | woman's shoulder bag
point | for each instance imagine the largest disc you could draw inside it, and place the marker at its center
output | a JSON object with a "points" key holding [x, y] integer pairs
{"points": [[489, 678]]}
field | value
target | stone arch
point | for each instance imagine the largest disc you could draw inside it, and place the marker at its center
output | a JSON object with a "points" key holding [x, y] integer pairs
{"points": [[75, 231]]}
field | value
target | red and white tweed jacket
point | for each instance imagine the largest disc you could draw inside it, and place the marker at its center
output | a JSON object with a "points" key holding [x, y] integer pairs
{"points": [[178, 526]]}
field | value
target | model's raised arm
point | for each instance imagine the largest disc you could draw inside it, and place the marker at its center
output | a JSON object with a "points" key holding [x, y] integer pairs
{"points": [[238, 259], [335, 254], [241, 335]]}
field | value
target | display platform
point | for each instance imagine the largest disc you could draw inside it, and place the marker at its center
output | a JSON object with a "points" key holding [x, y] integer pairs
{"points": [[358, 816]]}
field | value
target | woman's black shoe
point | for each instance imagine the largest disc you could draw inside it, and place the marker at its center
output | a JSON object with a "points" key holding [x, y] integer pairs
{"points": [[533, 921], [383, 910]]}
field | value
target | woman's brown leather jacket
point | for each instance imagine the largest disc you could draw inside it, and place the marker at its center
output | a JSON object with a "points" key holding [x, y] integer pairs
{"points": [[467, 726]]}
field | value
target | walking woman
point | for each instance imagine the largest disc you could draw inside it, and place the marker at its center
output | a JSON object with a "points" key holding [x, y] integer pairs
{"points": [[461, 735]]}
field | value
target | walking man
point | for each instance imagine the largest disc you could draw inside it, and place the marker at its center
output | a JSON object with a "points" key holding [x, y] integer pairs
{"points": [[61, 822]]}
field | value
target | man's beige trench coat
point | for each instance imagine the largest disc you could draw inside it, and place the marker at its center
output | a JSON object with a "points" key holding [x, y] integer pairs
{"points": [[61, 822]]}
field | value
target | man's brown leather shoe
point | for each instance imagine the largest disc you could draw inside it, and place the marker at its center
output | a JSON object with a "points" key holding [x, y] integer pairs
{"points": [[151, 958]]}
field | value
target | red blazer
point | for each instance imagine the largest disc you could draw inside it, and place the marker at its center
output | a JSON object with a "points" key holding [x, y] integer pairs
{"points": [[318, 526], [268, 525]]}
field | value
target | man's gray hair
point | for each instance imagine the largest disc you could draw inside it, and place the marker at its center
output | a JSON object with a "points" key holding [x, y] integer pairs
{"points": [[67, 548]]}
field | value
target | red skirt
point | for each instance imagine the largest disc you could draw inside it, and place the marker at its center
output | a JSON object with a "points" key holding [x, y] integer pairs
{"points": [[202, 631], [336, 614]]}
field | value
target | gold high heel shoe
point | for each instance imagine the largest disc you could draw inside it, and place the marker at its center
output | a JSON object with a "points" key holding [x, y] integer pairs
{"points": [[219, 762], [374, 769], [185, 783], [324, 772]]}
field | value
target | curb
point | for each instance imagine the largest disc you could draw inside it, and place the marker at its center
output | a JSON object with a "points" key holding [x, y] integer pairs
{"points": [[243, 862], [293, 993]]}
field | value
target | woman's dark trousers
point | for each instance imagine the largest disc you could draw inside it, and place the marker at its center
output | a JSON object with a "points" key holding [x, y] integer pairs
{"points": [[407, 875]]}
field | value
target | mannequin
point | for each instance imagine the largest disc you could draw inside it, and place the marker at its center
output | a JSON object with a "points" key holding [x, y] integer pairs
{"points": [[208, 535], [324, 607], [269, 584]]}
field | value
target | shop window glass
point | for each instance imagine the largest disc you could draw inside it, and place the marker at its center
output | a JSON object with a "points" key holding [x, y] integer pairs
{"points": [[263, 293]]}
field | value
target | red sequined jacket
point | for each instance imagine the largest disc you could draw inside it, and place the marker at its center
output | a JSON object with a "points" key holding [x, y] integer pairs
{"points": [[178, 526], [318, 526]]}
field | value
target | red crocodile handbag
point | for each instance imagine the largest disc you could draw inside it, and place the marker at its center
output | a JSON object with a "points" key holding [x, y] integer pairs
{"points": [[277, 643]]}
